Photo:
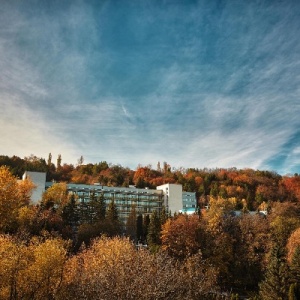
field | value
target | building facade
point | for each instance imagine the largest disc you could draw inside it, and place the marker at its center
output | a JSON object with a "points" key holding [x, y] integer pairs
{"points": [[145, 201], [39, 180]]}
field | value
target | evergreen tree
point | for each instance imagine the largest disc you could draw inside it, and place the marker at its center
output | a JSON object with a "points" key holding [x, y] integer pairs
{"points": [[163, 216], [70, 214], [295, 274], [276, 282], [49, 160], [112, 219], [131, 224], [146, 222], [96, 208], [154, 229], [100, 208], [293, 292], [139, 228], [58, 164]]}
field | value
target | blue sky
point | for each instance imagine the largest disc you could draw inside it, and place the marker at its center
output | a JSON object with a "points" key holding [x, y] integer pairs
{"points": [[194, 83]]}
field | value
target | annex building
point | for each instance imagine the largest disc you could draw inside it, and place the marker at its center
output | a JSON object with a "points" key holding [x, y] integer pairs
{"points": [[145, 200]]}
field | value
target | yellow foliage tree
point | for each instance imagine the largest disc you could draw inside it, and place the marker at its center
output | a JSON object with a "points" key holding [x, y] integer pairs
{"points": [[113, 269], [31, 272], [11, 199], [44, 274], [14, 259], [56, 196], [218, 208], [292, 244], [25, 188]]}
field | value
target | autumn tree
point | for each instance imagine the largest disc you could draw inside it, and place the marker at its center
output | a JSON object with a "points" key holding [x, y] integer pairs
{"points": [[14, 259], [113, 269], [221, 224], [55, 197], [31, 271], [293, 243], [27, 220], [250, 255], [282, 227], [200, 278], [43, 276], [54, 200], [180, 236], [12, 198]]}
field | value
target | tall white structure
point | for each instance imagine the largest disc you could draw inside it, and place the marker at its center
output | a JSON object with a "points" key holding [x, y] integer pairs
{"points": [[39, 180], [172, 197]]}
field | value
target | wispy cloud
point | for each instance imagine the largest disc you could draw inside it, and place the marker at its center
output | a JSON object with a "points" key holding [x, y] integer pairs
{"points": [[194, 84]]}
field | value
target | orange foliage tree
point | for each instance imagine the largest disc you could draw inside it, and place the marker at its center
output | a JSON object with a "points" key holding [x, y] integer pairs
{"points": [[179, 236], [292, 244]]}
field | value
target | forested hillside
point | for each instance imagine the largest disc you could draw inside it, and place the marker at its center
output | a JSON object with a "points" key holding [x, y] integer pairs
{"points": [[249, 187], [64, 249]]}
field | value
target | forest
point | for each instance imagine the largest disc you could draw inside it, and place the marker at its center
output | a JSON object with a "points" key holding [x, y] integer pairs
{"points": [[59, 249]]}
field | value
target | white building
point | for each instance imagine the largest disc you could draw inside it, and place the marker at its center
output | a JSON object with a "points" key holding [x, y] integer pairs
{"points": [[39, 180], [172, 197]]}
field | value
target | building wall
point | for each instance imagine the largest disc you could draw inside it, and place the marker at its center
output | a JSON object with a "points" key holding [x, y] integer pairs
{"points": [[189, 202], [146, 201], [172, 197], [39, 180]]}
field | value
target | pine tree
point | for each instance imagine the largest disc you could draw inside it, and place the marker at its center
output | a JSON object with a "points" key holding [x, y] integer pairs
{"points": [[101, 208], [163, 216], [70, 216], [295, 274], [70, 212], [49, 160], [131, 224], [58, 165], [154, 229], [293, 292], [139, 228], [96, 208], [276, 282], [146, 222], [112, 219]]}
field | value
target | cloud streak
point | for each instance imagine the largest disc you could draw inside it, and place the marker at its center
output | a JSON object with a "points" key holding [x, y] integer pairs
{"points": [[197, 85]]}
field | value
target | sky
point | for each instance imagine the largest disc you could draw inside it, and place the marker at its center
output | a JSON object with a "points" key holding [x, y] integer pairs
{"points": [[197, 84]]}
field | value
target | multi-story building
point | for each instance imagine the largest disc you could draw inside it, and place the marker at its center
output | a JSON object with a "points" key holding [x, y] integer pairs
{"points": [[146, 201]]}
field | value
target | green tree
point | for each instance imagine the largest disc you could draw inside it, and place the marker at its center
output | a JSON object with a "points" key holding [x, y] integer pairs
{"points": [[163, 216], [98, 207], [140, 228], [154, 229], [70, 212], [131, 224], [295, 273], [58, 165], [276, 282], [112, 219]]}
